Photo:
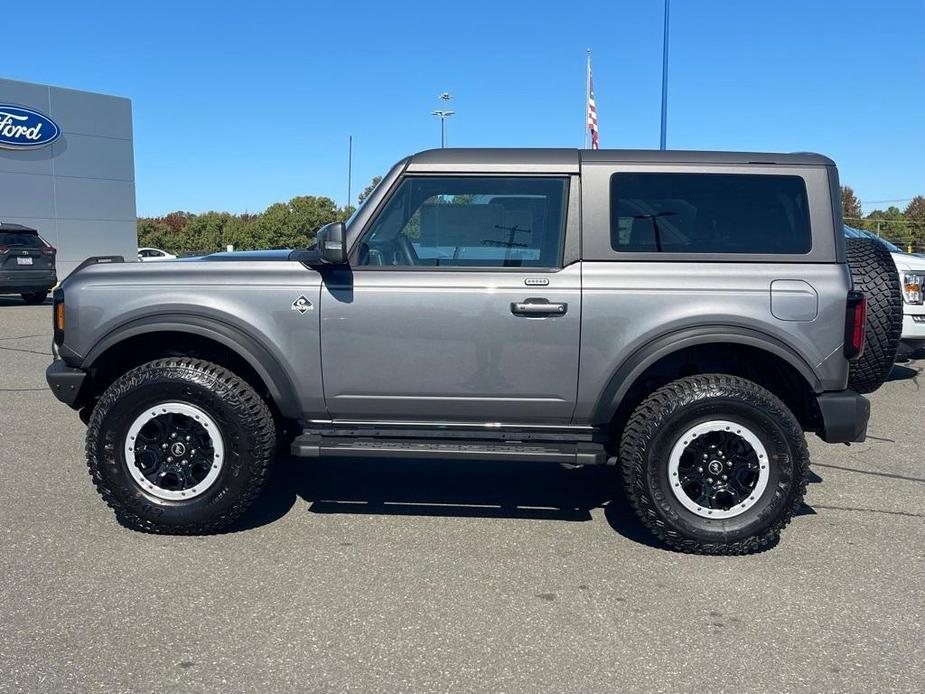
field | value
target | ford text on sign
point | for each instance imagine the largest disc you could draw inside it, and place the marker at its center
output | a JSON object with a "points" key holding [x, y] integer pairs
{"points": [[23, 128]]}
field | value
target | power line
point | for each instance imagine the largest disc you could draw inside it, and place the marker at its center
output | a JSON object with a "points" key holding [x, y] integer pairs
{"points": [[876, 202], [882, 221]]}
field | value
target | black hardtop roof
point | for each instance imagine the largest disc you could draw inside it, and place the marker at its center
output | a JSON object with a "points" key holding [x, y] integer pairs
{"points": [[6, 226], [527, 158]]}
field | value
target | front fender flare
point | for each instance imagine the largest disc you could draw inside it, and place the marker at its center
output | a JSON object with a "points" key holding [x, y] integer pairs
{"points": [[635, 365], [248, 348]]}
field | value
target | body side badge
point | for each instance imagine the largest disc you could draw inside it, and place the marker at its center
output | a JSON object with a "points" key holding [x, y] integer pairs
{"points": [[302, 305]]}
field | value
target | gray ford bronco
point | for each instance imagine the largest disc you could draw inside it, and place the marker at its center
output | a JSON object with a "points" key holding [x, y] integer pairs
{"points": [[686, 316]]}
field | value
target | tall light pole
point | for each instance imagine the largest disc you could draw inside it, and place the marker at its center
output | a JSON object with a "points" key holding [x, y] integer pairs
{"points": [[662, 142], [443, 114]]}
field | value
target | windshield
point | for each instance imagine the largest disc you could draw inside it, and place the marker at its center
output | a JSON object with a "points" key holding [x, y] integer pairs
{"points": [[852, 233]]}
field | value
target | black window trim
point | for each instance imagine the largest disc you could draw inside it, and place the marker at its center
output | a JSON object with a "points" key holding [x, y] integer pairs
{"points": [[568, 202]]}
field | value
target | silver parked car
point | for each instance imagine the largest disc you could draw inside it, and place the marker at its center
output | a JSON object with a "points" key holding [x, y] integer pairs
{"points": [[684, 315]]}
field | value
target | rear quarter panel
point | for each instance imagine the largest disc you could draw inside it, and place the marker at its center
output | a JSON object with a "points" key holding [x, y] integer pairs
{"points": [[631, 299]]}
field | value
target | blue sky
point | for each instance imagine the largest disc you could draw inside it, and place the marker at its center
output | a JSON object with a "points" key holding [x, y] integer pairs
{"points": [[238, 105]]}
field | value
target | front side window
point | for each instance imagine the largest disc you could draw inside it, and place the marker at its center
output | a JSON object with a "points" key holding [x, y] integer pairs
{"points": [[709, 213], [469, 222]]}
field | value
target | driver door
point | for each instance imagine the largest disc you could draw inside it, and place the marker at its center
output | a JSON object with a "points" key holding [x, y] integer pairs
{"points": [[456, 307]]}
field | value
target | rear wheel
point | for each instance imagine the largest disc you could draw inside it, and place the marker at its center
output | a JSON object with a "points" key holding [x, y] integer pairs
{"points": [[33, 298], [714, 464], [180, 446]]}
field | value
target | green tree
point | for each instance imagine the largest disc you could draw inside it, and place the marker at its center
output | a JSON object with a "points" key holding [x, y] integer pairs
{"points": [[365, 193], [915, 214], [890, 224], [281, 225], [850, 205]]}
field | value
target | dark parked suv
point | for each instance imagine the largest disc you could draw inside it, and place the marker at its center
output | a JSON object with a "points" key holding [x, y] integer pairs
{"points": [[27, 263]]}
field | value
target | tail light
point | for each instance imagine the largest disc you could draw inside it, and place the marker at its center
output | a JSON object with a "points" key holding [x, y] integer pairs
{"points": [[3, 250], [49, 250], [855, 321]]}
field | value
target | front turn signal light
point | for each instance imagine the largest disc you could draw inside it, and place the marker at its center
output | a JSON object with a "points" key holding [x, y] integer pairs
{"points": [[58, 317]]}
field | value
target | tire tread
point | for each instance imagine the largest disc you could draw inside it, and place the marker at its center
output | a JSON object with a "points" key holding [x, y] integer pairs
{"points": [[238, 394], [648, 417]]}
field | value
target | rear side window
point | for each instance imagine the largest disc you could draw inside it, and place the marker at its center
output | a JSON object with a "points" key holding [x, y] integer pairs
{"points": [[21, 239], [709, 213]]}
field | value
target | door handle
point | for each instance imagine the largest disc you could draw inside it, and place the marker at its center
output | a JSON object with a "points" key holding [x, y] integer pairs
{"points": [[538, 307]]}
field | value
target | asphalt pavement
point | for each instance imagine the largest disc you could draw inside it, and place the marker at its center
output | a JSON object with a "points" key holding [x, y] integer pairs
{"points": [[449, 577]]}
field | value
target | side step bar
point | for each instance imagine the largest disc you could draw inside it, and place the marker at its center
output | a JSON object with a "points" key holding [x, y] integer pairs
{"points": [[582, 453]]}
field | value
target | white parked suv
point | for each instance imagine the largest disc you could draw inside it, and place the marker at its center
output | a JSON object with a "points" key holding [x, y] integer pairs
{"points": [[911, 270]]}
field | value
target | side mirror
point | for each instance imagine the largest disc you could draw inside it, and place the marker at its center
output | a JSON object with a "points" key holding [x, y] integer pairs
{"points": [[332, 244]]}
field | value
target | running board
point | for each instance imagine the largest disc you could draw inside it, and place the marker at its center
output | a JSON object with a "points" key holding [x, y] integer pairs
{"points": [[582, 453]]}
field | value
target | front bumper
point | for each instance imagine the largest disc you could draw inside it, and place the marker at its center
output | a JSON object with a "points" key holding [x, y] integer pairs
{"points": [[914, 325], [844, 416], [65, 381]]}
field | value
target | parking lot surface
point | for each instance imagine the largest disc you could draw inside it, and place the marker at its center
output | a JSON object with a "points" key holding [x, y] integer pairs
{"points": [[434, 576]]}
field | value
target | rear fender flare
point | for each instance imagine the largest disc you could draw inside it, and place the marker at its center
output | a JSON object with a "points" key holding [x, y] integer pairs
{"points": [[635, 365]]}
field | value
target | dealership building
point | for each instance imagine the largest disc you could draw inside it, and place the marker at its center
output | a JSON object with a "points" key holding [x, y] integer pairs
{"points": [[67, 169]]}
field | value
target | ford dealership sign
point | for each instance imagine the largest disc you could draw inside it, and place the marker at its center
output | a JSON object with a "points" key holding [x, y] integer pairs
{"points": [[23, 128]]}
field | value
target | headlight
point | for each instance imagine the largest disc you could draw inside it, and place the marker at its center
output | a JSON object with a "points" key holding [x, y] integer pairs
{"points": [[912, 287]]}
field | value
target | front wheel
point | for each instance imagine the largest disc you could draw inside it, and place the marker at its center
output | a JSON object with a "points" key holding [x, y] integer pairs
{"points": [[180, 446], [714, 464]]}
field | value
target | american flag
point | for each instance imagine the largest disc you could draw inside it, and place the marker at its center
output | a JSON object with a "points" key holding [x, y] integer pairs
{"points": [[592, 112]]}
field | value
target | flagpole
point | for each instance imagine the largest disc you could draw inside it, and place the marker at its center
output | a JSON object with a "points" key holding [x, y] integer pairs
{"points": [[663, 138], [587, 96]]}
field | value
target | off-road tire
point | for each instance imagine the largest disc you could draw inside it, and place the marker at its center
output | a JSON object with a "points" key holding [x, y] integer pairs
{"points": [[874, 273], [242, 416], [657, 424], [33, 298]]}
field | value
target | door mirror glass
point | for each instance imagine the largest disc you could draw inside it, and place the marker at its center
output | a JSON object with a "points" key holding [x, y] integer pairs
{"points": [[332, 244]]}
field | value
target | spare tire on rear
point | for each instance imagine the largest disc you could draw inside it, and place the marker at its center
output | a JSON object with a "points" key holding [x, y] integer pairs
{"points": [[874, 273]]}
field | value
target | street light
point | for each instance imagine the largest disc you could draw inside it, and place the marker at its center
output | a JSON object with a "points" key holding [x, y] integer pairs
{"points": [[443, 114]]}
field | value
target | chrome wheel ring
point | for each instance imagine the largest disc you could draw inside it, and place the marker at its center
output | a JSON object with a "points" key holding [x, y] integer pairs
{"points": [[718, 469], [174, 451]]}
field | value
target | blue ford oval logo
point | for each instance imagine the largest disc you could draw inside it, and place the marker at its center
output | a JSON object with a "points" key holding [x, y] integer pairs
{"points": [[23, 128]]}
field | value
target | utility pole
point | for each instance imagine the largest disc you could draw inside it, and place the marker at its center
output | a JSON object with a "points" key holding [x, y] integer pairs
{"points": [[443, 114], [349, 168], [662, 142]]}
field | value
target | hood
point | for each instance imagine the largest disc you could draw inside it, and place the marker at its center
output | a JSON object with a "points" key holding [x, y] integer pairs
{"points": [[909, 262], [280, 254]]}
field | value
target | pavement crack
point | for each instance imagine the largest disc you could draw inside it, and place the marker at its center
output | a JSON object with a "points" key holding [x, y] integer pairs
{"points": [[27, 351], [890, 475], [870, 510], [21, 337]]}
